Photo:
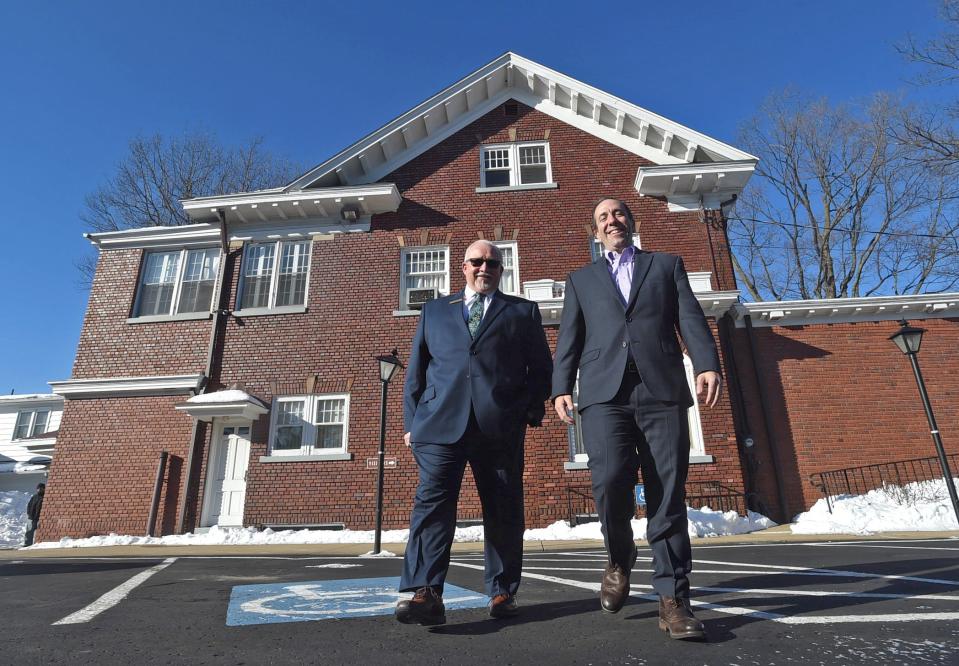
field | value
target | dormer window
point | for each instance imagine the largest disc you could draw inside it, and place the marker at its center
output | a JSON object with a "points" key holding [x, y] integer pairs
{"points": [[515, 165]]}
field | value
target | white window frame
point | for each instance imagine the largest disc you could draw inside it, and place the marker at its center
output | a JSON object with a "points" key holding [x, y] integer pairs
{"points": [[405, 252], [177, 284], [271, 305], [308, 445], [31, 423], [513, 149], [513, 246], [697, 442]]}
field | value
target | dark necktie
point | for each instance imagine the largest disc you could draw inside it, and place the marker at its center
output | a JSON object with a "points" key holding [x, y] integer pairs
{"points": [[476, 315]]}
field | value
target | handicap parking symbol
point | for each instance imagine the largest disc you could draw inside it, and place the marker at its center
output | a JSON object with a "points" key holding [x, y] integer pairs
{"points": [[329, 600]]}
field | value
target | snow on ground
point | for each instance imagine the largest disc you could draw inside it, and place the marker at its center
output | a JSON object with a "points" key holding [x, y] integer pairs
{"points": [[917, 506], [920, 506], [13, 517], [702, 523]]}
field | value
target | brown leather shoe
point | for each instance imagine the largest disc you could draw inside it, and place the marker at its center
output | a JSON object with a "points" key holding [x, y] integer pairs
{"points": [[503, 605], [426, 608], [614, 589], [676, 619]]}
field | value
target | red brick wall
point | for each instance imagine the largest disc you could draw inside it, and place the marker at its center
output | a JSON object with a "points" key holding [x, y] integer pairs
{"points": [[353, 291], [842, 395], [104, 470]]}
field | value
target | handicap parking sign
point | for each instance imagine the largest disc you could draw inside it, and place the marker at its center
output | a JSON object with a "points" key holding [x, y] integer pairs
{"points": [[329, 600], [640, 494]]}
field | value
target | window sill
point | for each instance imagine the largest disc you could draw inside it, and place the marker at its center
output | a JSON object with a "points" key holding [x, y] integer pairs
{"points": [[517, 188], [567, 466], [313, 458], [700, 459], [406, 313], [259, 312], [186, 316]]}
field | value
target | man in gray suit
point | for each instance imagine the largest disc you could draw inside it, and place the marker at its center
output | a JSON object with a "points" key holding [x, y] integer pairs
{"points": [[618, 331]]}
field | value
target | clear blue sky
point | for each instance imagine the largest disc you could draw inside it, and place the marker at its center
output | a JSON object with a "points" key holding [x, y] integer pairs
{"points": [[78, 80]]}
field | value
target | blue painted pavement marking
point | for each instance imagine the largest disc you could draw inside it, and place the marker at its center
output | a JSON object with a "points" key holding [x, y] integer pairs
{"points": [[329, 600]]}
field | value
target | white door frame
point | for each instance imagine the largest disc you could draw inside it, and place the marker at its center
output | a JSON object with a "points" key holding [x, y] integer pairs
{"points": [[217, 446]]}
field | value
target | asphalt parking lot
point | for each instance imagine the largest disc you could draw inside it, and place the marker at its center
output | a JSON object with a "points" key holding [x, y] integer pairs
{"points": [[851, 602]]}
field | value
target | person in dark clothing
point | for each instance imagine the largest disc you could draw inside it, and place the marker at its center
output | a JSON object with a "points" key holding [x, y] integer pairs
{"points": [[33, 513]]}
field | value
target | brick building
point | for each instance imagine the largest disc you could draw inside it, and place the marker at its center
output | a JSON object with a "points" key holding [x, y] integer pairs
{"points": [[243, 345]]}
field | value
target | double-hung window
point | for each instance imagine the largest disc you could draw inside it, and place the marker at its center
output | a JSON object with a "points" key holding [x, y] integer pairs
{"points": [[310, 425], [423, 268], [175, 282], [509, 282], [31, 423], [515, 164], [275, 274]]}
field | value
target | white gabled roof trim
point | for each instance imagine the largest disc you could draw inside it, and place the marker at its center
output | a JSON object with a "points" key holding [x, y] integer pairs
{"points": [[277, 205], [846, 310], [511, 76], [108, 387]]}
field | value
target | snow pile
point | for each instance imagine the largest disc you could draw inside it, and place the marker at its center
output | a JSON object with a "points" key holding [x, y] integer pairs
{"points": [[920, 506], [13, 517], [702, 522]]}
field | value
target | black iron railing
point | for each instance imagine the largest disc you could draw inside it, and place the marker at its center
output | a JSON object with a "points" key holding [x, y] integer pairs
{"points": [[862, 479], [699, 494]]}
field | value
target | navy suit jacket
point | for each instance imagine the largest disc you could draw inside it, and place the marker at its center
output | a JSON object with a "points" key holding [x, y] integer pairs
{"points": [[503, 375], [599, 333]]}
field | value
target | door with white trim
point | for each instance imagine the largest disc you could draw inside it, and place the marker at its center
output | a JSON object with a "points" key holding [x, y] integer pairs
{"points": [[226, 487]]}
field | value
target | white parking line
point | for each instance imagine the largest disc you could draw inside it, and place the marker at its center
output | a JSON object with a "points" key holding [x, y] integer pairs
{"points": [[114, 596], [765, 615]]}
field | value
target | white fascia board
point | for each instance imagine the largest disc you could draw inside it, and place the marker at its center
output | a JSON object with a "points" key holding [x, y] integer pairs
{"points": [[687, 134], [395, 125], [388, 192], [689, 186], [847, 310], [244, 409], [31, 399], [191, 235], [76, 389], [294, 230]]}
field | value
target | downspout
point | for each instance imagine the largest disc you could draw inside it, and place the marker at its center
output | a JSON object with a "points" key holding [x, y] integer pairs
{"points": [[219, 319], [747, 457], [764, 408]]}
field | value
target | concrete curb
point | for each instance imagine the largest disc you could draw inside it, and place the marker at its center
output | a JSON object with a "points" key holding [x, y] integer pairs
{"points": [[779, 534]]}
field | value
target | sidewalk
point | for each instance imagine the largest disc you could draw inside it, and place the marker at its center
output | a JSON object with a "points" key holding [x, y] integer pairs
{"points": [[778, 534]]}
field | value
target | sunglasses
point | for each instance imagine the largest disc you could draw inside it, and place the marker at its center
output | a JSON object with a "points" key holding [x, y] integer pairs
{"points": [[490, 263]]}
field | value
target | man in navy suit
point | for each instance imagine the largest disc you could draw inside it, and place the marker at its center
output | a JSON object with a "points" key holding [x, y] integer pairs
{"points": [[479, 373], [618, 331]]}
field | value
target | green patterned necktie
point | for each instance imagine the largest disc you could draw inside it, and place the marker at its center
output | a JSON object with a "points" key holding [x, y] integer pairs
{"points": [[476, 315]]}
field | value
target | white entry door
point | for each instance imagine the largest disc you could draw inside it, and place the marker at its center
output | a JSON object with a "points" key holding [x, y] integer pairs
{"points": [[226, 490]]}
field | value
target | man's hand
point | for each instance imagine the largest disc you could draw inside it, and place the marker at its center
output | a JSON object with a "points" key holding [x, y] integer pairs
{"points": [[712, 383], [406, 439], [563, 404]]}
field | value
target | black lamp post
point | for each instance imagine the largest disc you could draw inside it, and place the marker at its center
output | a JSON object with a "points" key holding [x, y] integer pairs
{"points": [[389, 364], [908, 339]]}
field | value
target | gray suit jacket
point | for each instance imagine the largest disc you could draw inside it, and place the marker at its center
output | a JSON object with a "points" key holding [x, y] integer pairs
{"points": [[598, 334]]}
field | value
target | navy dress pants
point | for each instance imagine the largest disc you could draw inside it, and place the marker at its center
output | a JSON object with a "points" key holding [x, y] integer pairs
{"points": [[498, 471], [634, 431]]}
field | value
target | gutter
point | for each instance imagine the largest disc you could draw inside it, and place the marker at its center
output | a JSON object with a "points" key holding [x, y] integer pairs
{"points": [[764, 408]]}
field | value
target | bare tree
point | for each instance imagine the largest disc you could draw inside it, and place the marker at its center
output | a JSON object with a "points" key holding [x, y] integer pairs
{"points": [[158, 172], [933, 130], [839, 207]]}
